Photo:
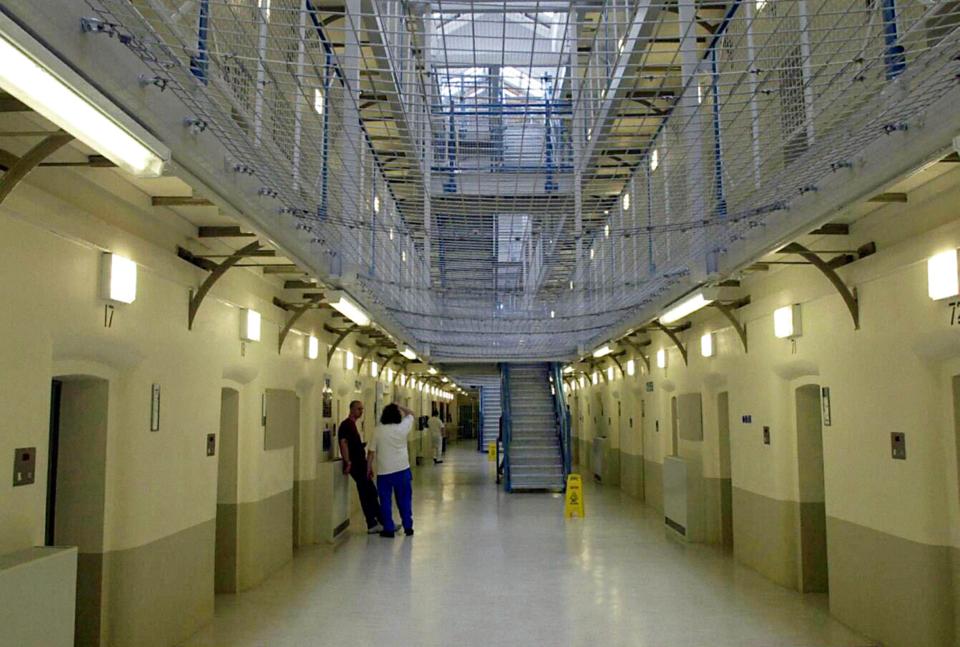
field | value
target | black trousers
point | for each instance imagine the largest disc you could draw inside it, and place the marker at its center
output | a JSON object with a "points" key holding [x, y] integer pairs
{"points": [[367, 491]]}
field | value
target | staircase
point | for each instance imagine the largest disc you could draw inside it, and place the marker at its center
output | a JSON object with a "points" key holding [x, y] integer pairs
{"points": [[490, 406], [535, 458]]}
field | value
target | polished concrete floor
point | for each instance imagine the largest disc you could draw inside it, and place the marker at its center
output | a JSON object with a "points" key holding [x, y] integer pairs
{"points": [[488, 568]]}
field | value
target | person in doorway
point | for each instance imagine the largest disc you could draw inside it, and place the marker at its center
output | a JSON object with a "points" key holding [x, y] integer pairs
{"points": [[389, 456], [437, 428], [355, 464]]}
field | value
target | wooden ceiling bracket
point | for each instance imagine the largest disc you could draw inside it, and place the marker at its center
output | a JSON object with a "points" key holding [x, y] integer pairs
{"points": [[31, 160], [298, 312], [197, 298], [672, 334], [849, 296]]}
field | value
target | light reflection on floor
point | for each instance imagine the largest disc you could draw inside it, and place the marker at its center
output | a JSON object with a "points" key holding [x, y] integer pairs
{"points": [[488, 568]]}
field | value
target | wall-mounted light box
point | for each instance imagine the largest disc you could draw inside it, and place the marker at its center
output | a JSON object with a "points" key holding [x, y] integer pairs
{"points": [[787, 323], [313, 347], [348, 360], [707, 345], [374, 368], [631, 367], [610, 373], [942, 277], [118, 278], [596, 377], [662, 358], [249, 325]]}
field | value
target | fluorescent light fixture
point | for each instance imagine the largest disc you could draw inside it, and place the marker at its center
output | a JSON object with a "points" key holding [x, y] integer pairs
{"points": [[403, 256], [391, 233], [626, 200], [662, 358], [553, 314], [610, 373], [699, 93], [340, 302], [568, 370], [432, 371], [444, 379], [571, 285], [389, 375], [687, 307], [706, 345], [118, 280], [595, 378], [313, 347], [376, 204], [592, 253], [374, 369], [408, 353], [942, 278], [631, 367], [37, 86], [606, 231], [654, 159], [249, 325], [760, 5], [348, 361], [602, 351], [265, 6], [318, 101], [583, 382], [403, 380], [786, 322]]}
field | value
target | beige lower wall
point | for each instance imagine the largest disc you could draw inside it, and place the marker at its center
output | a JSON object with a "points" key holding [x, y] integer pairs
{"points": [[89, 609], [611, 466], [631, 474], [894, 590], [305, 492], [158, 594], [713, 491], [653, 484], [264, 537], [225, 563], [765, 535]]}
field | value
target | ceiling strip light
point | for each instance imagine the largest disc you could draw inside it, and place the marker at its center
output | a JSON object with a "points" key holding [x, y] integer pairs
{"points": [[22, 76], [340, 302], [687, 307]]}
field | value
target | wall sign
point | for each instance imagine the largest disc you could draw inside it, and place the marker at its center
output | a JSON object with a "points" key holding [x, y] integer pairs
{"points": [[649, 387], [327, 398], [747, 419], [155, 407], [766, 435], [825, 406]]}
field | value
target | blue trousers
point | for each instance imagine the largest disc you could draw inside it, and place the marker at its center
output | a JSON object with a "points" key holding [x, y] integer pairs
{"points": [[400, 485]]}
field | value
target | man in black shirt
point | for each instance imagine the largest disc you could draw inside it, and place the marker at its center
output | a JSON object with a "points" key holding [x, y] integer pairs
{"points": [[355, 464]]}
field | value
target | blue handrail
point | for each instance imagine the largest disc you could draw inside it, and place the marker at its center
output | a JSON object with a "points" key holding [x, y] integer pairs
{"points": [[507, 422], [563, 419]]}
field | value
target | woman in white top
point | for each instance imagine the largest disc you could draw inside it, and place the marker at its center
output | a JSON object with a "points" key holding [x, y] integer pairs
{"points": [[387, 454]]}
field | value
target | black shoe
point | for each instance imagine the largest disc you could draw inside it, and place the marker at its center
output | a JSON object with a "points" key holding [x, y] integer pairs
{"points": [[387, 533], [408, 532]]}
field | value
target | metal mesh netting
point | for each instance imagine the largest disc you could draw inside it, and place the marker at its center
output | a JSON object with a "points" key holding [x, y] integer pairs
{"points": [[512, 179]]}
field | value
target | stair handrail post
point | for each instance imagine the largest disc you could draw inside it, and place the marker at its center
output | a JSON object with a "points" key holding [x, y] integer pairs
{"points": [[506, 421], [563, 419]]}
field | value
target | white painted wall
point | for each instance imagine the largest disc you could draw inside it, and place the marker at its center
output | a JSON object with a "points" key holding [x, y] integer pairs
{"points": [[52, 323]]}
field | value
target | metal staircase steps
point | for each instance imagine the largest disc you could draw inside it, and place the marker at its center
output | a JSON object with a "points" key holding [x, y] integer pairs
{"points": [[535, 456]]}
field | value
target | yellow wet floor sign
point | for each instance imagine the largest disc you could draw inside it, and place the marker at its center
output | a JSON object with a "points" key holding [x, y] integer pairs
{"points": [[492, 452], [574, 496]]}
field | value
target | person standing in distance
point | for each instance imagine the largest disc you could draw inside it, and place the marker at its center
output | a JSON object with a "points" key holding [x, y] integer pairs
{"points": [[388, 454], [355, 464], [436, 436]]}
